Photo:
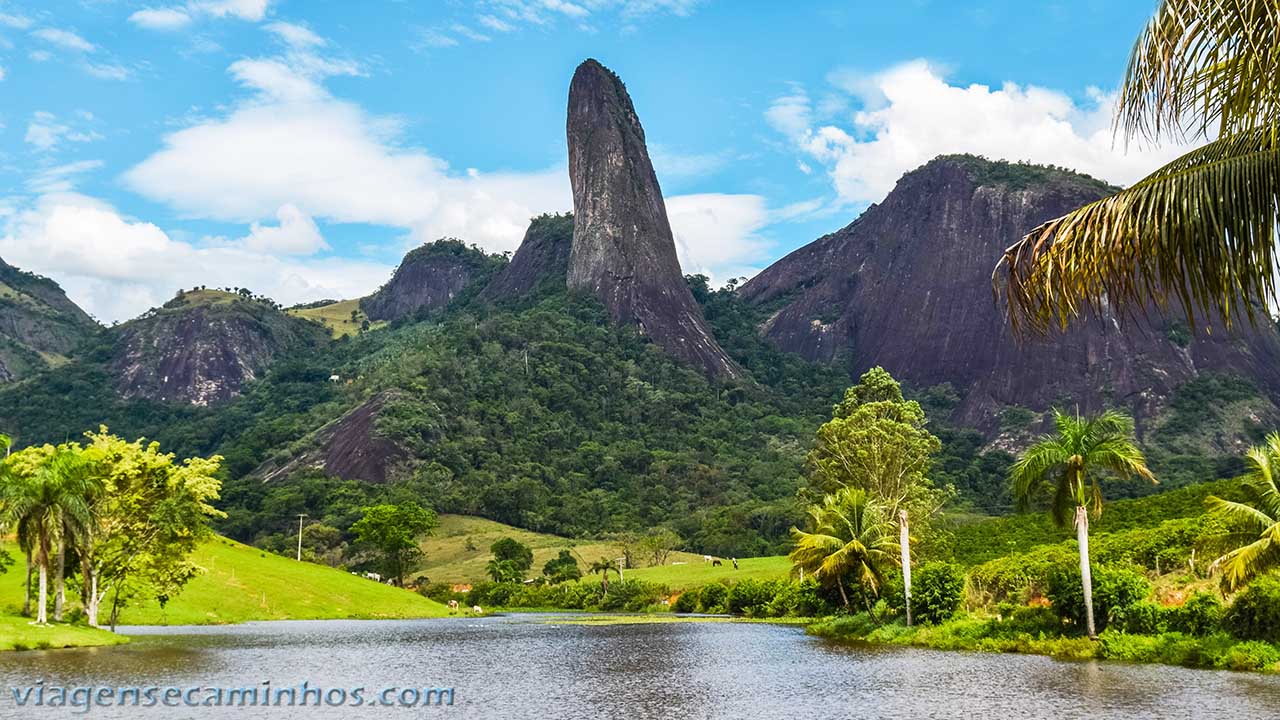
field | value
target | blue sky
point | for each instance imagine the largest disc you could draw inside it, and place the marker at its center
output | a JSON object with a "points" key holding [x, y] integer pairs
{"points": [[300, 148]]}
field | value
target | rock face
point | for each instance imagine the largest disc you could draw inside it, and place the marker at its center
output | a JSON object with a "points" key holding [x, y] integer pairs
{"points": [[623, 250], [202, 347], [427, 280], [542, 259], [907, 286], [38, 324], [349, 448]]}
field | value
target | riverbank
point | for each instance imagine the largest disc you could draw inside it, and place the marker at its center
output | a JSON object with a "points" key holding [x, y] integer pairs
{"points": [[973, 633], [18, 633]]}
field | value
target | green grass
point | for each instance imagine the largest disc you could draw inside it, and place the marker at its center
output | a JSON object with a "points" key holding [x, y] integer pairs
{"points": [[240, 584], [449, 559], [18, 633], [337, 317], [697, 573]]}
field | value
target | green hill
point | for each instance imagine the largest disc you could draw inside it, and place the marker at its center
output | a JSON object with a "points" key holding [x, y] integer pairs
{"points": [[241, 584]]}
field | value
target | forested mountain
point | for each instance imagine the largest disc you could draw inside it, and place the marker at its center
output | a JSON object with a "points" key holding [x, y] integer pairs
{"points": [[39, 326]]}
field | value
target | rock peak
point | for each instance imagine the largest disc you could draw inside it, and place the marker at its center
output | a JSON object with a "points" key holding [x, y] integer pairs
{"points": [[623, 251]]}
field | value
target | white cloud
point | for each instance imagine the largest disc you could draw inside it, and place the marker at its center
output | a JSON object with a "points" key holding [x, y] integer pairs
{"points": [[2, 73], [295, 234], [910, 114], [64, 39], [17, 22], [45, 131], [435, 39], [60, 178], [40, 55], [161, 18], [296, 36], [717, 234], [63, 235], [107, 71], [495, 24], [293, 143], [180, 16]]}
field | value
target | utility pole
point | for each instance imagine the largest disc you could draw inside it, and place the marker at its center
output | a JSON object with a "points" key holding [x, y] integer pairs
{"points": [[300, 517], [905, 539], [622, 561]]}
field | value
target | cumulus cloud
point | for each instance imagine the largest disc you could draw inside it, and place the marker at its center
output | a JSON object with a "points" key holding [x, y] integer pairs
{"points": [[910, 113], [161, 18], [294, 234], [64, 235]]}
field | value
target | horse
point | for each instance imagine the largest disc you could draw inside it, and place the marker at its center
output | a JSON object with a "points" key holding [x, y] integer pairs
{"points": [[716, 562]]}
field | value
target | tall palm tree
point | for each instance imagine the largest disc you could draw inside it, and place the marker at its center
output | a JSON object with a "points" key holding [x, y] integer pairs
{"points": [[850, 538], [1070, 464], [41, 507], [604, 566], [1257, 535], [1202, 228]]}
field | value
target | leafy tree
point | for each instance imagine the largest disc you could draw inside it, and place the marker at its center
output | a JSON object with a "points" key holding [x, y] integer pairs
{"points": [[603, 567], [939, 590], [849, 539], [1070, 464], [148, 513], [562, 568], [393, 531], [659, 543], [1255, 524], [1202, 228], [511, 550]]}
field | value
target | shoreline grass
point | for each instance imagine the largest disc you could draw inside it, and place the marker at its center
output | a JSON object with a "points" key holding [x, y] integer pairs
{"points": [[20, 633]]}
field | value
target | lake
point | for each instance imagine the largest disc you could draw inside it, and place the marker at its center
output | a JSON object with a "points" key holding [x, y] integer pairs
{"points": [[523, 666]]}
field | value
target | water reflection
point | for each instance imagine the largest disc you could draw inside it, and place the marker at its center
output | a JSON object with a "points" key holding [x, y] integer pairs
{"points": [[522, 667]]}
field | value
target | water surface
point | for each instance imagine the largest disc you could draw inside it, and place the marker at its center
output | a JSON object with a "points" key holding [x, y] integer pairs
{"points": [[524, 667]]}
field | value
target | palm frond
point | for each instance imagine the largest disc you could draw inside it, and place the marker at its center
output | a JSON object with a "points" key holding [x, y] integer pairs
{"points": [[1239, 513], [1033, 466], [1201, 229], [1200, 64]]}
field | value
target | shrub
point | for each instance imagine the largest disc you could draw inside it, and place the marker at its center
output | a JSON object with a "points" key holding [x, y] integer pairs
{"points": [[1115, 591], [632, 596], [1255, 613], [1142, 618], [687, 602], [712, 598], [1029, 620], [799, 599], [751, 597], [1200, 615], [937, 592], [1251, 655]]}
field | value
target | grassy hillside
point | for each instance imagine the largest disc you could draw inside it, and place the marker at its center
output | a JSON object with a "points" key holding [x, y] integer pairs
{"points": [[459, 551], [337, 317], [240, 584]]}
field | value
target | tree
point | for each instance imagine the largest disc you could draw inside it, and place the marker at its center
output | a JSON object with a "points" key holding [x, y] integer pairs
{"points": [[604, 566], [562, 568], [393, 531], [1255, 524], [659, 543], [876, 440], [42, 496], [510, 550], [850, 538], [1070, 465], [1202, 228]]}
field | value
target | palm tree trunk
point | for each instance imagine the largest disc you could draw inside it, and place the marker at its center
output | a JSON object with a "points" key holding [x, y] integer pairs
{"points": [[843, 596], [1086, 577], [904, 540], [59, 581], [26, 603], [42, 559]]}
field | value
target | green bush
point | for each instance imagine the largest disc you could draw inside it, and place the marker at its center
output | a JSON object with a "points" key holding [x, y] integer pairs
{"points": [[751, 597], [1115, 591], [1251, 655], [1027, 620], [687, 602], [1255, 613], [632, 596], [712, 598], [799, 599], [1200, 615], [937, 592], [1142, 618]]}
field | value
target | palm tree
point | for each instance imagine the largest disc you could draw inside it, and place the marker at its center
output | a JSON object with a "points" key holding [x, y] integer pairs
{"points": [[1202, 228], [1069, 464], [1257, 540], [604, 565], [43, 507], [850, 538]]}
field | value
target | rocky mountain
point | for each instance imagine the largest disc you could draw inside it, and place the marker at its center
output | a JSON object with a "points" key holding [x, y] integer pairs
{"points": [[39, 325], [203, 346], [623, 251], [542, 258], [427, 280], [907, 286]]}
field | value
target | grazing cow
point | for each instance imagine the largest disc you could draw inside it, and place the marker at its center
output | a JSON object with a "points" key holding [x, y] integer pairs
{"points": [[735, 563], [716, 563], [477, 609], [453, 606], [707, 558], [373, 576]]}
